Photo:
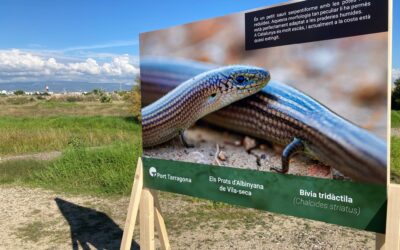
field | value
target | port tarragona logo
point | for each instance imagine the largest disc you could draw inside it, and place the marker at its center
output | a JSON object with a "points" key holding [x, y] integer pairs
{"points": [[152, 171]]}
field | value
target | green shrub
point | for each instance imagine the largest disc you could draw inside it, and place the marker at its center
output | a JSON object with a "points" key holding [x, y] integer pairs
{"points": [[74, 98], [19, 92], [396, 95], [133, 99], [19, 100], [97, 92], [105, 99]]}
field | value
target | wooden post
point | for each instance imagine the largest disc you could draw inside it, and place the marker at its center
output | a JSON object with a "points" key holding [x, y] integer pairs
{"points": [[393, 218], [160, 224], [392, 240], [380, 241], [150, 214], [147, 220], [130, 222]]}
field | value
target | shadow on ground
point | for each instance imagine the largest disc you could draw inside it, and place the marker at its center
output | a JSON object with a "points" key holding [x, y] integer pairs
{"points": [[91, 228]]}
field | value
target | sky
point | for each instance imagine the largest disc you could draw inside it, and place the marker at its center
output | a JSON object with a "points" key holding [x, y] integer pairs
{"points": [[91, 40], [97, 40]]}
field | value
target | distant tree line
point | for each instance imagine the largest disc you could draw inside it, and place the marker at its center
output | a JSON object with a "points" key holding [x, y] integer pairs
{"points": [[396, 95], [19, 92]]}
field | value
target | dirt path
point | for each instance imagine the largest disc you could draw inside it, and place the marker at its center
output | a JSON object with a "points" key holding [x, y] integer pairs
{"points": [[44, 156], [39, 219]]}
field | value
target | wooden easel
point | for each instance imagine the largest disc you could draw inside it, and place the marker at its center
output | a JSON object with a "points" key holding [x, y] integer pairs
{"points": [[150, 214], [393, 218]]}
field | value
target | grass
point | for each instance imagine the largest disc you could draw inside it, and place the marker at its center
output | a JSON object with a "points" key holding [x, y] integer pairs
{"points": [[395, 149], [102, 171], [107, 170], [395, 117], [20, 171], [21, 135], [44, 108], [100, 143], [394, 162]]}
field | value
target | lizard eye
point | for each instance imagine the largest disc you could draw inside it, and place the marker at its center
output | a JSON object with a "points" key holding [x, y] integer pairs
{"points": [[240, 79], [211, 98]]}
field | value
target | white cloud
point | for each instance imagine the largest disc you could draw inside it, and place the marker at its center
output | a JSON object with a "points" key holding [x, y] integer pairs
{"points": [[103, 46], [395, 74], [19, 66]]}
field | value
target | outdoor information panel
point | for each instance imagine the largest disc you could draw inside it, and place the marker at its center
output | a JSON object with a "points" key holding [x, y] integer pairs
{"points": [[282, 109], [353, 204]]}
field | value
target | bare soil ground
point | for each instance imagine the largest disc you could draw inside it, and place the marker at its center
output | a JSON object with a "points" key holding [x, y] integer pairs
{"points": [[40, 219]]}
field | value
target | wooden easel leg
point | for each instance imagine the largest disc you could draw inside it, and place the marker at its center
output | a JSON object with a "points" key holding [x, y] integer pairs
{"points": [[380, 242], [393, 218], [150, 212], [130, 222], [147, 220], [160, 224]]}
